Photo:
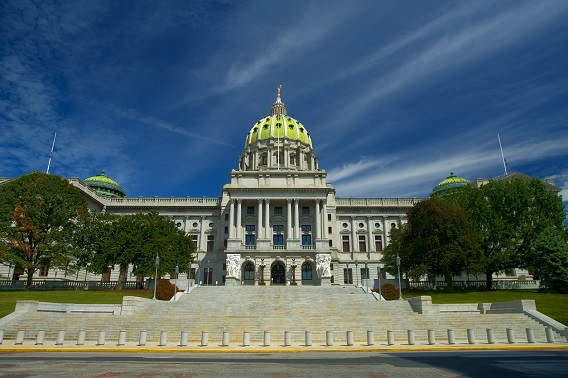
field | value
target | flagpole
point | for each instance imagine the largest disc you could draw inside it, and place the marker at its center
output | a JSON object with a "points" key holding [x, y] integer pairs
{"points": [[51, 153], [502, 155]]}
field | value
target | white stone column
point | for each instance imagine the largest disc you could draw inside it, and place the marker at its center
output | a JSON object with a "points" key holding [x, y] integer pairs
{"points": [[370, 241], [289, 234], [259, 231], [354, 242], [269, 158], [385, 233], [296, 220], [267, 219], [231, 219], [312, 162], [186, 224], [318, 220], [239, 222], [325, 233], [202, 240]]}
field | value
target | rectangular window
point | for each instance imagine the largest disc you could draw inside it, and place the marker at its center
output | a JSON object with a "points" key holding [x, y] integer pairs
{"points": [[210, 243], [224, 266], [224, 279], [278, 228], [226, 217], [305, 210], [306, 228], [249, 228], [347, 275], [306, 240], [226, 230], [331, 266], [250, 210], [330, 243], [278, 239], [277, 210], [44, 270], [362, 244], [329, 230], [329, 217], [225, 243], [364, 273], [345, 240], [249, 239], [378, 243], [194, 240]]}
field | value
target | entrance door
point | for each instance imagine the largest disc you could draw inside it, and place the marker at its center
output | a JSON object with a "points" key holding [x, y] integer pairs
{"points": [[278, 274]]}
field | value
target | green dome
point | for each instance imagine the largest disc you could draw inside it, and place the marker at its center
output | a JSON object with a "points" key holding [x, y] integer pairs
{"points": [[105, 186], [278, 125], [451, 182]]}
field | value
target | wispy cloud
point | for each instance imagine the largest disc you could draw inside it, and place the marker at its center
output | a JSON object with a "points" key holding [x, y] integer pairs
{"points": [[155, 122]]}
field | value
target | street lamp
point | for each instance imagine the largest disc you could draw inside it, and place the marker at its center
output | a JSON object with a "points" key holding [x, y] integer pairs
{"points": [[367, 276], [156, 276], [349, 277], [261, 266], [176, 282], [208, 273], [380, 294], [356, 273], [399, 287], [293, 271]]}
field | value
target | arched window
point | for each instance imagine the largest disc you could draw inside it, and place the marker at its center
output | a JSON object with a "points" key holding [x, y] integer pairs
{"points": [[249, 271], [306, 271]]}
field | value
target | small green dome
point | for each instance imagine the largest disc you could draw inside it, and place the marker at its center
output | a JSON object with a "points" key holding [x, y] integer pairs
{"points": [[451, 182], [278, 125], [105, 186]]}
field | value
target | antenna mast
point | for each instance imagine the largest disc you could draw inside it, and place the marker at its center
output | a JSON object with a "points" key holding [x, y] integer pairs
{"points": [[51, 153], [502, 155]]}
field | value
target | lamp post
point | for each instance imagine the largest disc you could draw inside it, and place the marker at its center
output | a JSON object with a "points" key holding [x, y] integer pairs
{"points": [[399, 287], [356, 272], [349, 278], [293, 271], [188, 276], [367, 276], [380, 294], [261, 266], [156, 276], [208, 273], [176, 282]]}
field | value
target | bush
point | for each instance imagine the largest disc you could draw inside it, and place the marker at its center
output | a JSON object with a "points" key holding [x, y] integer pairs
{"points": [[389, 291], [165, 290]]}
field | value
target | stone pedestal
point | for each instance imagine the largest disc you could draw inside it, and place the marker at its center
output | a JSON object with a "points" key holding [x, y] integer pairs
{"points": [[232, 281], [325, 281]]}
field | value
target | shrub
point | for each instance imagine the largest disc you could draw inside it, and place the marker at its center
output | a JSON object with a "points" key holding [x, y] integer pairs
{"points": [[389, 291], [165, 290]]}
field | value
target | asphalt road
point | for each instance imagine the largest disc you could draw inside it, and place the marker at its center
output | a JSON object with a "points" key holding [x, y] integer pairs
{"points": [[484, 364]]}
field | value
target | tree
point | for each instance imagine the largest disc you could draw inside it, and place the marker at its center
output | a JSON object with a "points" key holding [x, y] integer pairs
{"points": [[136, 240], [438, 240], [38, 217], [508, 216], [549, 259]]}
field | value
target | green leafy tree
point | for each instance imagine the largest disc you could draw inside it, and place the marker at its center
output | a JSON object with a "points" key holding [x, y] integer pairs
{"points": [[438, 240], [549, 259], [39, 214], [508, 216], [136, 240]]}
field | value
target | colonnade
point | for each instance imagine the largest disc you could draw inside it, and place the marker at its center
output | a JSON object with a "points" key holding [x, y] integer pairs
{"points": [[263, 217]]}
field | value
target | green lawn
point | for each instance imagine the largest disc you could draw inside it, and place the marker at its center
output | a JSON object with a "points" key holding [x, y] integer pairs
{"points": [[8, 298], [553, 305]]}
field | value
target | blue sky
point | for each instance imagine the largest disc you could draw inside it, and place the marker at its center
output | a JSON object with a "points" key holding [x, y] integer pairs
{"points": [[395, 94]]}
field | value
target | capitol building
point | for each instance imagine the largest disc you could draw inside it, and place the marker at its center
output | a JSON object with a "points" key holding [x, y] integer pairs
{"points": [[277, 222]]}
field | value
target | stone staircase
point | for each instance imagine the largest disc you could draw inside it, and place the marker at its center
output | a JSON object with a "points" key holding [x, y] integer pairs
{"points": [[276, 309]]}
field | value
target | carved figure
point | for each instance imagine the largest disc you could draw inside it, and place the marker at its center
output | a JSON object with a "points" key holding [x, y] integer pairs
{"points": [[323, 262], [234, 266]]}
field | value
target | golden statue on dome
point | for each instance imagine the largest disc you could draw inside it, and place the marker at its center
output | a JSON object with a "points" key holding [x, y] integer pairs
{"points": [[279, 88]]}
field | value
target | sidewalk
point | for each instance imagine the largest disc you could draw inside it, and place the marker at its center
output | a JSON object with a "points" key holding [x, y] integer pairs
{"points": [[215, 347]]}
